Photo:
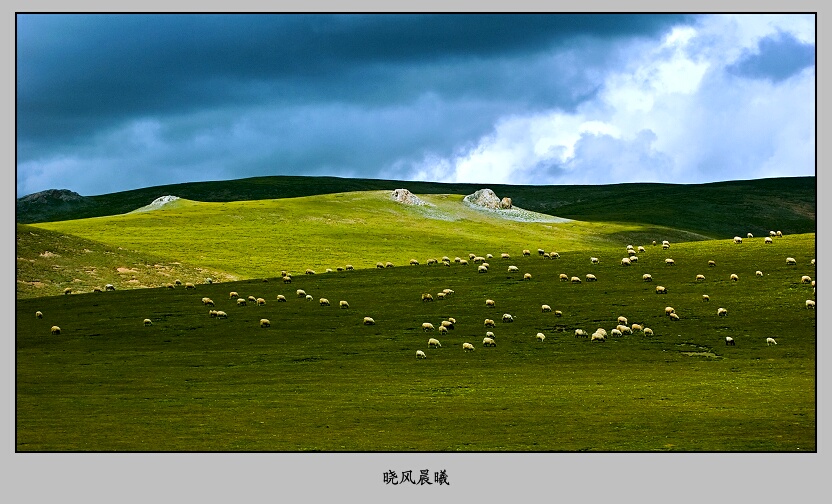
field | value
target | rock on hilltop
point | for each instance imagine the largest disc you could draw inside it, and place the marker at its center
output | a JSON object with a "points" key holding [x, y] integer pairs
{"points": [[408, 198], [487, 199]]}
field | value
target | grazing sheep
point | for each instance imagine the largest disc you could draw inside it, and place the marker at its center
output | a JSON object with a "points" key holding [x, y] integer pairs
{"points": [[615, 333], [265, 323], [209, 280], [591, 278], [806, 279], [287, 279], [349, 267], [660, 289], [189, 285], [779, 234], [369, 321], [482, 269], [563, 277], [540, 252], [544, 308], [758, 273], [711, 264], [68, 290], [575, 280], [665, 242], [489, 342], [300, 293], [810, 305], [737, 239], [421, 355], [674, 317], [647, 277], [388, 264], [489, 323], [596, 336], [554, 255], [668, 310], [446, 259], [212, 313], [38, 314], [343, 305], [324, 301], [414, 262], [513, 269], [261, 301], [447, 292], [640, 249], [433, 342], [432, 261], [281, 298], [443, 330], [634, 259], [541, 336], [468, 347], [654, 243], [699, 278], [625, 261], [527, 276], [527, 253], [207, 301], [706, 298], [339, 268], [812, 262], [309, 272], [768, 240], [601, 331], [233, 295], [463, 262], [505, 256], [448, 324], [177, 282], [546, 255], [222, 314], [629, 247], [734, 277], [648, 331], [55, 329], [791, 261], [426, 297], [96, 289], [110, 287], [252, 299], [622, 320], [631, 253], [489, 334], [489, 303], [558, 313], [624, 329], [478, 259], [241, 302], [580, 333], [507, 318], [770, 341], [458, 260], [670, 262], [148, 322], [722, 312], [730, 341], [594, 260], [309, 297], [486, 265], [427, 327], [636, 327], [379, 265]]}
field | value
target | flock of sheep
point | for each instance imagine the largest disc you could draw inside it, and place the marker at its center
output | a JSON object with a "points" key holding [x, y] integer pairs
{"points": [[621, 328]]}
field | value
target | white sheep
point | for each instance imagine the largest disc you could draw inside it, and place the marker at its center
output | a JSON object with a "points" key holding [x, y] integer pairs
{"points": [[629, 247], [434, 343], [791, 261], [758, 273], [633, 259], [625, 261], [169, 286], [527, 276], [421, 355], [212, 313], [661, 289], [300, 293], [446, 259], [388, 264], [674, 317], [96, 289], [772, 233], [622, 319], [780, 234], [734, 277], [38, 314], [349, 267], [68, 290], [722, 312], [670, 262], [631, 253], [369, 321], [468, 347], [482, 269], [432, 261], [601, 331], [513, 269], [189, 285], [427, 297], [636, 327], [458, 260], [489, 323], [640, 249], [110, 287], [448, 324], [540, 252], [541, 336], [427, 327], [668, 310], [544, 308], [711, 263], [241, 302], [768, 240], [489, 334], [265, 323], [737, 239], [575, 280], [507, 318], [770, 341], [558, 313], [810, 305], [527, 253], [177, 282], [447, 292], [648, 331], [221, 314], [624, 329], [414, 262], [209, 280], [287, 279], [591, 278], [615, 333], [343, 305], [647, 277], [148, 322], [563, 277], [260, 301], [463, 262], [55, 329], [489, 342], [700, 278], [281, 298], [706, 298], [443, 330], [812, 262], [252, 299], [730, 341], [380, 265], [806, 279], [594, 260], [554, 255], [596, 336], [580, 333], [489, 303], [309, 297]]}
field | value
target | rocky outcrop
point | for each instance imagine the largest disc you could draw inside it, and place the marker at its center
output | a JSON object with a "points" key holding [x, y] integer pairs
{"points": [[483, 198], [407, 198]]}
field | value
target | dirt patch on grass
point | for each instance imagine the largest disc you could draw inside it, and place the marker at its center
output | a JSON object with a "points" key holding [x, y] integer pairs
{"points": [[49, 254], [126, 270]]}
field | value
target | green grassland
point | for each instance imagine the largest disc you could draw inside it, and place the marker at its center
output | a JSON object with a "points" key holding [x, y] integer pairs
{"points": [[320, 380]]}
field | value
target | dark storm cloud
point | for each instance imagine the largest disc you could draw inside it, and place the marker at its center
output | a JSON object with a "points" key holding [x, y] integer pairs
{"points": [[778, 57]]}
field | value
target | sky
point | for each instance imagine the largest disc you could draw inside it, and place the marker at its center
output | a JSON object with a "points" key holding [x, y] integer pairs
{"points": [[112, 102]]}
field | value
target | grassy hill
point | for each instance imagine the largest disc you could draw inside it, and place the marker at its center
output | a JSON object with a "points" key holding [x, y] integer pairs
{"points": [[714, 210], [320, 380]]}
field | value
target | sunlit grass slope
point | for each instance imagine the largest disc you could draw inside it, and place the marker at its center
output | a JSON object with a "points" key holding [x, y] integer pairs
{"points": [[259, 239], [319, 379]]}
